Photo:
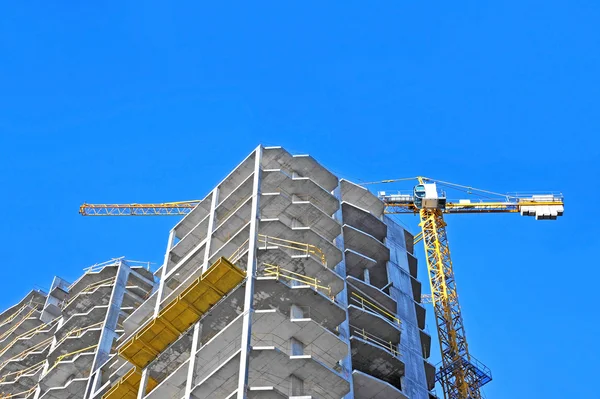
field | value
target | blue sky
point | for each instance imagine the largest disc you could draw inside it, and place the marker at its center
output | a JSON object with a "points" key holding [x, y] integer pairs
{"points": [[152, 102]]}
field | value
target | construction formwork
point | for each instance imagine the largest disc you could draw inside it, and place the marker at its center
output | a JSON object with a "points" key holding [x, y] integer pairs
{"points": [[284, 282]]}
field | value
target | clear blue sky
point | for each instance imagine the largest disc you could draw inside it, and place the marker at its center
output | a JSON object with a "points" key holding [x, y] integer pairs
{"points": [[151, 102]]}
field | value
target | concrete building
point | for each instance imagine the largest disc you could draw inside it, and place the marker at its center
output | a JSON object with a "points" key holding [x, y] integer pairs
{"points": [[284, 282]]}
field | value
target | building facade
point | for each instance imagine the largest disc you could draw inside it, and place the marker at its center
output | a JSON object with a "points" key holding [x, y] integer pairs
{"points": [[284, 282]]}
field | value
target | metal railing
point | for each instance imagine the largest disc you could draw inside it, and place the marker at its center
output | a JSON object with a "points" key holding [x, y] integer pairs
{"points": [[23, 394], [29, 370], [39, 346], [30, 334], [14, 328], [90, 288], [70, 354], [387, 345], [278, 272], [365, 304], [308, 249], [238, 253], [10, 318], [78, 332]]}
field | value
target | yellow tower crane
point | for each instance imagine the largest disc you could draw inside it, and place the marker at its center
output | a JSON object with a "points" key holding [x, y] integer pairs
{"points": [[460, 374]]}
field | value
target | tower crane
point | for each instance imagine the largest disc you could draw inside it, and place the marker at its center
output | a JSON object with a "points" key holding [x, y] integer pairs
{"points": [[460, 374]]}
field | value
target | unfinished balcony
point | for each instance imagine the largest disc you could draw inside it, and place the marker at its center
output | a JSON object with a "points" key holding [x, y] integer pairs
{"points": [[304, 300], [22, 321], [22, 380], [376, 357], [365, 252], [300, 266], [68, 375], [299, 189], [299, 165], [273, 361], [364, 221], [368, 387], [275, 233], [295, 211], [361, 198]]}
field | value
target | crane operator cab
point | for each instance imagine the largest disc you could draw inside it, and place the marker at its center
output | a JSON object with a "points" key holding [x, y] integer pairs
{"points": [[427, 196]]}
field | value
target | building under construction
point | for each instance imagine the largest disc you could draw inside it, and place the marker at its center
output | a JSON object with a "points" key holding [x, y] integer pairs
{"points": [[283, 282]]}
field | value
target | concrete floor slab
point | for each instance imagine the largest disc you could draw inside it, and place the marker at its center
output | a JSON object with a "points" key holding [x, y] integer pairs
{"points": [[271, 327], [375, 324], [93, 277], [361, 197], [265, 393], [305, 265], [81, 320], [357, 263], [305, 235], [22, 327], [368, 387], [297, 212], [363, 220], [85, 301], [221, 383], [270, 293], [231, 202], [74, 389], [376, 361], [34, 296], [75, 343], [365, 244], [59, 374], [192, 239], [429, 374], [276, 180], [303, 165], [373, 293], [25, 361], [270, 366], [189, 221]]}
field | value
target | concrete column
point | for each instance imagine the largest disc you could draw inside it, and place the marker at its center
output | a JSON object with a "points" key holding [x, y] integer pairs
{"points": [[189, 383], [143, 383], [211, 227], [367, 277], [342, 298], [161, 286], [250, 272], [108, 334]]}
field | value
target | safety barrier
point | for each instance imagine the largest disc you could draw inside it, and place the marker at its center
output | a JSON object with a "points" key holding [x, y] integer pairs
{"points": [[17, 374], [307, 249], [23, 394], [78, 332], [278, 272], [14, 328], [90, 288], [387, 345], [370, 306], [39, 346]]}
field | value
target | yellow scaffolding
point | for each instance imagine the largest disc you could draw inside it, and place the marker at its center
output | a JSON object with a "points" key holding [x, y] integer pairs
{"points": [[127, 387], [182, 312]]}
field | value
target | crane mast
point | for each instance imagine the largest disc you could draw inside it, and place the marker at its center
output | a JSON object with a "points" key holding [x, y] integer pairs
{"points": [[460, 377], [460, 374]]}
